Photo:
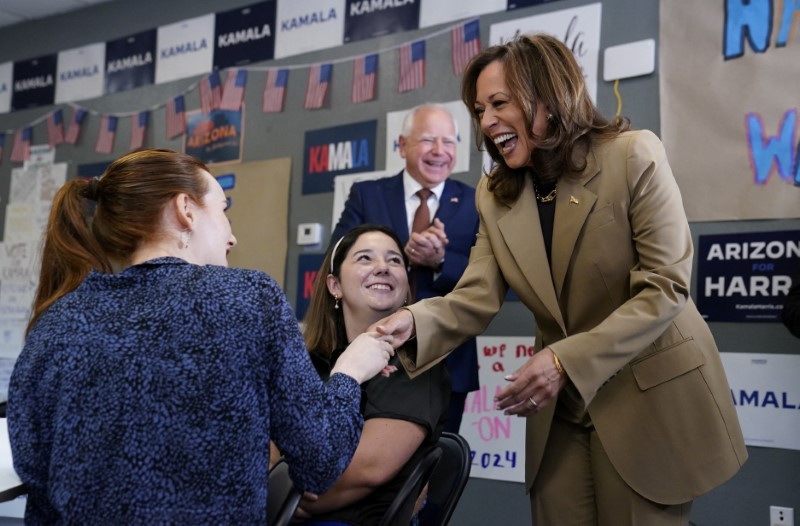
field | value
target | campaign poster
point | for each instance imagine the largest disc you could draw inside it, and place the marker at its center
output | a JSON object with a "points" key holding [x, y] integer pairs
{"points": [[394, 125], [215, 138], [496, 440], [80, 73], [6, 80], [185, 49], [130, 61], [341, 190], [309, 26], [766, 394], [368, 19], [34, 82], [578, 28], [258, 209], [745, 277], [244, 35], [307, 267], [433, 13], [339, 150]]}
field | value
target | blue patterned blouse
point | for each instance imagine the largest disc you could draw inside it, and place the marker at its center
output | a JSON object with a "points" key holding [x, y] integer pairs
{"points": [[150, 397]]}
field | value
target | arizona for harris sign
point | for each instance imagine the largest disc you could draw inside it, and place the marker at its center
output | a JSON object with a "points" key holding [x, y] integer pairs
{"points": [[214, 138]]}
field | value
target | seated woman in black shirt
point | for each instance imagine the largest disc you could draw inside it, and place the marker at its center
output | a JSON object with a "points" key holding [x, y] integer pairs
{"points": [[362, 280]]}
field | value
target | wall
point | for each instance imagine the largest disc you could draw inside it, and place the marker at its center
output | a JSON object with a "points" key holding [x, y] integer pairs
{"points": [[771, 476]]}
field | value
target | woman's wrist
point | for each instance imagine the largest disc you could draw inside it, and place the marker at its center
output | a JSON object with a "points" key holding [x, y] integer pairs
{"points": [[558, 365]]}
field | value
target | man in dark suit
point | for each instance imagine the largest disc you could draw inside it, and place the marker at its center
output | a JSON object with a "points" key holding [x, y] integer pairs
{"points": [[439, 251]]}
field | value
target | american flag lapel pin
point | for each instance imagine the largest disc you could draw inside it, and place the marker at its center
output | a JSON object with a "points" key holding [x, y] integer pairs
{"points": [[454, 199]]}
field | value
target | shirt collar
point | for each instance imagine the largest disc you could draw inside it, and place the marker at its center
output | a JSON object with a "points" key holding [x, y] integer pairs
{"points": [[411, 186]]}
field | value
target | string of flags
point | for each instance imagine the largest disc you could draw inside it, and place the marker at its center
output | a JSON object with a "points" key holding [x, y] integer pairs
{"points": [[465, 43]]}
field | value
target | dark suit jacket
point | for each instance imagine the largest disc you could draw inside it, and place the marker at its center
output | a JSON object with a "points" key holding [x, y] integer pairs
{"points": [[614, 306], [383, 202]]}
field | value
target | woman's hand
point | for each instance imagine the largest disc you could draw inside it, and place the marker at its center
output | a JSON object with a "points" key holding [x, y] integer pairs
{"points": [[397, 328], [365, 357], [533, 386], [307, 499]]}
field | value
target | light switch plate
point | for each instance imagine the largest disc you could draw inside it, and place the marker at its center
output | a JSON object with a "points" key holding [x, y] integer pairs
{"points": [[309, 233]]}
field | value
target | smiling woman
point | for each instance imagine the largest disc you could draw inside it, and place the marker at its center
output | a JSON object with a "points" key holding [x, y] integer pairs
{"points": [[363, 279]]}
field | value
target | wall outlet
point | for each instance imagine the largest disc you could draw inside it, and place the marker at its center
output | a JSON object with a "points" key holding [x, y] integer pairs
{"points": [[309, 234], [780, 516]]}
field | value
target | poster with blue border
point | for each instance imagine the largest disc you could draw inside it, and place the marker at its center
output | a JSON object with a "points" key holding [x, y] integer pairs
{"points": [[339, 150], [368, 19], [244, 35], [745, 277], [130, 61]]}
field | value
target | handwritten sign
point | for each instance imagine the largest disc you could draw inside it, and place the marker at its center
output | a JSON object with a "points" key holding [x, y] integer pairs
{"points": [[497, 441]]}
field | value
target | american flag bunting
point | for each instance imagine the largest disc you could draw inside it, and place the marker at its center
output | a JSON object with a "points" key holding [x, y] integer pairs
{"points": [[74, 129], [465, 40], [412, 66], [275, 90], [21, 150], [210, 93], [108, 130], [176, 117], [365, 72], [55, 128], [233, 94], [319, 76], [138, 129]]}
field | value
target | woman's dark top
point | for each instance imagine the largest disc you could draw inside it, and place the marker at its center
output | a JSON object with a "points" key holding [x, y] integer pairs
{"points": [[423, 400]]}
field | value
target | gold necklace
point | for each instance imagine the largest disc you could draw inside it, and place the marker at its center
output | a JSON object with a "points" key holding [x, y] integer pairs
{"points": [[545, 198]]}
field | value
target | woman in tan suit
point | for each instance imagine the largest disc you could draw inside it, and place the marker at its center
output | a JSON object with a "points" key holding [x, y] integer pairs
{"points": [[629, 412]]}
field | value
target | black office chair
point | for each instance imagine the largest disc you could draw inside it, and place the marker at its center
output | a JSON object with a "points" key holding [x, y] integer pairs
{"points": [[283, 496], [402, 508], [447, 481]]}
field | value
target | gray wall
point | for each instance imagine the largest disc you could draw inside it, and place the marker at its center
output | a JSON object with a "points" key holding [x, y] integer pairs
{"points": [[771, 476]]}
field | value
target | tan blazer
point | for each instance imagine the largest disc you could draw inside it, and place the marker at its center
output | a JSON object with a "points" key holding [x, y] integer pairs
{"points": [[617, 312]]}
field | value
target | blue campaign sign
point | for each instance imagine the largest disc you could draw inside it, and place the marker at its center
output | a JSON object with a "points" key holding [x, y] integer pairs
{"points": [[34, 82], [367, 19], [519, 4], [244, 35], [307, 268], [745, 277], [214, 138], [337, 151], [130, 61]]}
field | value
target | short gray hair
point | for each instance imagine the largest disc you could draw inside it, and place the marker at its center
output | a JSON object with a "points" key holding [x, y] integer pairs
{"points": [[408, 120]]}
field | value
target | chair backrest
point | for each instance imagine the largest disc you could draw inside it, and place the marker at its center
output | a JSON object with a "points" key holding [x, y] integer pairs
{"points": [[282, 497], [448, 479], [401, 510]]}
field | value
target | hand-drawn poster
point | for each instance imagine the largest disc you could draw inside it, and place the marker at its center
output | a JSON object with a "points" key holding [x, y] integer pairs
{"points": [[578, 28], [497, 441], [258, 196], [729, 111]]}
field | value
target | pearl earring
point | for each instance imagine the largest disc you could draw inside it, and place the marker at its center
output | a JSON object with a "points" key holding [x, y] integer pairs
{"points": [[336, 306]]}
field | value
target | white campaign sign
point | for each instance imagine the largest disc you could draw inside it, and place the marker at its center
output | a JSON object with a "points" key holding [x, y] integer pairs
{"points": [[81, 73], [578, 28], [766, 393], [497, 441], [308, 26], [185, 49], [6, 79], [341, 190]]}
